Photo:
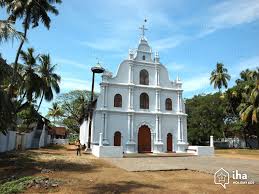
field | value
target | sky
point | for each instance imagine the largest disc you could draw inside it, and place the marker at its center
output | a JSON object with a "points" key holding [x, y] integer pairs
{"points": [[191, 36]]}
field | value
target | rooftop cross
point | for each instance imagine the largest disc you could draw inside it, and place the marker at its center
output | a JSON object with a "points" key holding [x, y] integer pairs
{"points": [[142, 28]]}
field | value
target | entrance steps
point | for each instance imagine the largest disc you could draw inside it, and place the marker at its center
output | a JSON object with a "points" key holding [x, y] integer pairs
{"points": [[146, 155]]}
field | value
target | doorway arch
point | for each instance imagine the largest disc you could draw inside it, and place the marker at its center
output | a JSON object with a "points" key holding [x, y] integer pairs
{"points": [[144, 139], [117, 138], [169, 142]]}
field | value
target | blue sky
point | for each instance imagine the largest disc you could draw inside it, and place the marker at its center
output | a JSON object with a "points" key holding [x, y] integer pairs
{"points": [[190, 35]]}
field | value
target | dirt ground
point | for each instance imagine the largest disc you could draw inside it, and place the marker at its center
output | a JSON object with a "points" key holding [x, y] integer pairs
{"points": [[87, 174], [250, 154]]}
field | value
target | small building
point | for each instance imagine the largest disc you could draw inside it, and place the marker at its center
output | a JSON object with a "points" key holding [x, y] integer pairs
{"points": [[58, 132]]}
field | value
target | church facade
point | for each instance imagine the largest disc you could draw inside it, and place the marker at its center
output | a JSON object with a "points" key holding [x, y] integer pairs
{"points": [[140, 108]]}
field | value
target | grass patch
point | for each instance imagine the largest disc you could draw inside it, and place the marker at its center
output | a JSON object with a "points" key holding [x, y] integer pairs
{"points": [[17, 186]]}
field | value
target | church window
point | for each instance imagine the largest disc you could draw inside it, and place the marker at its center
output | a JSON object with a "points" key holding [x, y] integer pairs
{"points": [[168, 104], [117, 100], [143, 77], [143, 57], [144, 101]]}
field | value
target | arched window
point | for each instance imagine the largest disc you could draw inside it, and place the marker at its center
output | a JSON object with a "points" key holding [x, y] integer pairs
{"points": [[144, 101], [143, 77], [168, 104], [117, 138], [143, 57], [117, 100]]}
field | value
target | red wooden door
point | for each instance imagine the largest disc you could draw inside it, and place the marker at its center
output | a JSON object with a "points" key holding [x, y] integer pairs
{"points": [[144, 139], [169, 142], [117, 138]]}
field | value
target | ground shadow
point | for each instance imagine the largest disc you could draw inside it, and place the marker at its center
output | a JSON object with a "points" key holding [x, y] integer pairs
{"points": [[27, 163], [121, 187]]}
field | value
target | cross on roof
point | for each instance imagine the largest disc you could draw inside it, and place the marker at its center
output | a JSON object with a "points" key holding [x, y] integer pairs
{"points": [[142, 28]]}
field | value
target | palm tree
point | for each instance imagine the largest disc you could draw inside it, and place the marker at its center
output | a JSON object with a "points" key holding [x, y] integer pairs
{"points": [[250, 107], [7, 31], [55, 111], [220, 77], [50, 80], [31, 12], [31, 80]]}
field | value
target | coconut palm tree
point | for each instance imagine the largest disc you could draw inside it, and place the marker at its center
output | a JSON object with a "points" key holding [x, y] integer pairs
{"points": [[7, 31], [220, 77], [55, 111], [31, 81], [50, 80], [31, 12]]}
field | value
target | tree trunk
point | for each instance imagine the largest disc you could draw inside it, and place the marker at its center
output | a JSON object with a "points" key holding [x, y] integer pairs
{"points": [[40, 101]]}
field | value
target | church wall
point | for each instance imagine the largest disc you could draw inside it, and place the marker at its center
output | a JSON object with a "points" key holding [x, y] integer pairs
{"points": [[152, 99], [117, 122], [168, 94], [123, 91], [169, 125], [151, 71], [122, 75]]}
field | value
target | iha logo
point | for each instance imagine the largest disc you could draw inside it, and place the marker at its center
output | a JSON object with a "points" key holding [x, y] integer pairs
{"points": [[221, 177], [237, 175]]}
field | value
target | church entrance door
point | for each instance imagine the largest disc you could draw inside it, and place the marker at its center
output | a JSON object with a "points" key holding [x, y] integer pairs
{"points": [[169, 142], [117, 138], [144, 139]]}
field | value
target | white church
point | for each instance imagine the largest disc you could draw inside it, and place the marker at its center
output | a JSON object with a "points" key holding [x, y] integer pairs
{"points": [[140, 108]]}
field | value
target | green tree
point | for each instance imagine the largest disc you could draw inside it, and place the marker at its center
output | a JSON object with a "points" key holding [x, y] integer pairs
{"points": [[249, 108], [205, 117], [219, 77], [31, 80], [7, 31], [55, 112], [31, 12], [49, 79], [74, 105]]}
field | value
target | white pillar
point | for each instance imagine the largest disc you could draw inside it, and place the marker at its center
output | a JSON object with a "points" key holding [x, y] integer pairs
{"points": [[105, 126], [157, 100], [130, 101], [132, 135], [179, 129], [182, 130], [106, 96], [157, 128], [179, 103], [129, 127], [157, 76], [101, 139], [211, 141], [130, 73]]}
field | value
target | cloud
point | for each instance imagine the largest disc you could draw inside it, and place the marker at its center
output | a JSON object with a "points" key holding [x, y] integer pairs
{"points": [[168, 43], [230, 13], [173, 66], [75, 84], [248, 63], [196, 83], [63, 61]]}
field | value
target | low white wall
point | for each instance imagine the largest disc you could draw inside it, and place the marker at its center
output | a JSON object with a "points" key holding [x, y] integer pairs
{"points": [[7, 142], [107, 151], [27, 140], [201, 150], [3, 142], [60, 141]]}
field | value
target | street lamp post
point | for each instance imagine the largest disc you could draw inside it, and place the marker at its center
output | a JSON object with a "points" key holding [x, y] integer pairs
{"points": [[96, 69]]}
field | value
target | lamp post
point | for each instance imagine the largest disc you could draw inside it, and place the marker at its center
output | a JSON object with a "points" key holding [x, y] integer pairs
{"points": [[96, 69]]}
